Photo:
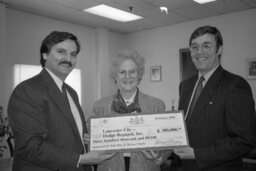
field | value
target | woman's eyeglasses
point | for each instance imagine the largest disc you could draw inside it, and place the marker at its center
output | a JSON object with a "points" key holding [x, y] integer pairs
{"points": [[128, 73]]}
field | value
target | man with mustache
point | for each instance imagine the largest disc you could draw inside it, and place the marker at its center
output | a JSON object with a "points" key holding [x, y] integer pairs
{"points": [[221, 124], [45, 114]]}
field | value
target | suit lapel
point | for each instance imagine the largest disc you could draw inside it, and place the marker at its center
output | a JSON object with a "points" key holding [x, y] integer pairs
{"points": [[76, 101], [205, 97], [187, 89], [144, 105], [57, 97]]}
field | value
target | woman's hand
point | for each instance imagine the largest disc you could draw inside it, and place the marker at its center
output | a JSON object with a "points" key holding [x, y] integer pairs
{"points": [[86, 138], [151, 155]]}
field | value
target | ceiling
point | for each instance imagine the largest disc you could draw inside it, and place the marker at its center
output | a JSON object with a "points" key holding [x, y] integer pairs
{"points": [[178, 11]]}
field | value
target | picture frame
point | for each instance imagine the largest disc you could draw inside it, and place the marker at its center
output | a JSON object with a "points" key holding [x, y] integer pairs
{"points": [[155, 73], [251, 68]]}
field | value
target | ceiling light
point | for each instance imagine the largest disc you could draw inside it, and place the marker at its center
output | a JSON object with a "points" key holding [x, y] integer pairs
{"points": [[112, 13], [203, 1], [164, 9]]}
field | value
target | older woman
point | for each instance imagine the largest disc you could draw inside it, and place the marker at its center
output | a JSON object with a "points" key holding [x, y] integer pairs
{"points": [[127, 71]]}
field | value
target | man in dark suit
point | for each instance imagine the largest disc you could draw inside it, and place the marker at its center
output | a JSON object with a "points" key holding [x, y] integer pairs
{"points": [[221, 126], [48, 122]]}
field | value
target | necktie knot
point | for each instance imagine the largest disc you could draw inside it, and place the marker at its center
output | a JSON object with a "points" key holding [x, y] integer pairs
{"points": [[63, 88], [64, 91], [201, 79]]}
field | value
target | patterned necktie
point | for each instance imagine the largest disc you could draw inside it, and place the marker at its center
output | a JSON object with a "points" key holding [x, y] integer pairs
{"points": [[197, 93]]}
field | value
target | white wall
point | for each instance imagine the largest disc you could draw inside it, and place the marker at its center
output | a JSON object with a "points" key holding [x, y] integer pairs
{"points": [[24, 33], [108, 45], [161, 46]]}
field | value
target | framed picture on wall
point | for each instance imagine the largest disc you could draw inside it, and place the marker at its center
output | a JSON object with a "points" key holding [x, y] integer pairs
{"points": [[155, 73], [251, 68]]}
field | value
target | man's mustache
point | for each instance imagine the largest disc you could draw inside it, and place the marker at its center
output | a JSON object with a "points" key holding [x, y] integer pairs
{"points": [[66, 63]]}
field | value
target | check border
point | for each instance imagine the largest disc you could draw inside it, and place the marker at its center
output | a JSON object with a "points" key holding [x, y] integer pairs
{"points": [[92, 146]]}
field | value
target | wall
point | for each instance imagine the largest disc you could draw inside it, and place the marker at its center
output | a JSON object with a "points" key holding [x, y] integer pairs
{"points": [[161, 46], [21, 34], [24, 33], [2, 53], [108, 46]]}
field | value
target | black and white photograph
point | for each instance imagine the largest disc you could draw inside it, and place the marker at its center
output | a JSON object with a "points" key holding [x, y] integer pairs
{"points": [[124, 64]]}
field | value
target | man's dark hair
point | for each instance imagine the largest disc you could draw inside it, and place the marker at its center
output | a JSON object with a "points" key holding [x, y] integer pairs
{"points": [[54, 38], [210, 30]]}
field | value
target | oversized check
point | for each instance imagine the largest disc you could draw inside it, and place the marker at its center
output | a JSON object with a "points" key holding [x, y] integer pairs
{"points": [[136, 132]]}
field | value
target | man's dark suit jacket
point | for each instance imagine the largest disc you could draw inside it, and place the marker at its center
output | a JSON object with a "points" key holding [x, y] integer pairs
{"points": [[45, 132], [222, 127]]}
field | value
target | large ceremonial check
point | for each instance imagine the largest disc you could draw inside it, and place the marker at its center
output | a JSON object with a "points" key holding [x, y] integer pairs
{"points": [[136, 132]]}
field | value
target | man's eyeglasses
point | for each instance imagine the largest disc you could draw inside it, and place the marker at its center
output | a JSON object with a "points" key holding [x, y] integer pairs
{"points": [[123, 73], [204, 47]]}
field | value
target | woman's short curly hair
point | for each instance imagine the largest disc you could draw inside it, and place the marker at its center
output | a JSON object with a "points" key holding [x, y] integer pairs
{"points": [[127, 54]]}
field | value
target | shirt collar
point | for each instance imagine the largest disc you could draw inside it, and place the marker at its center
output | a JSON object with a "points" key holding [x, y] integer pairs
{"points": [[207, 75], [56, 79], [130, 101]]}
